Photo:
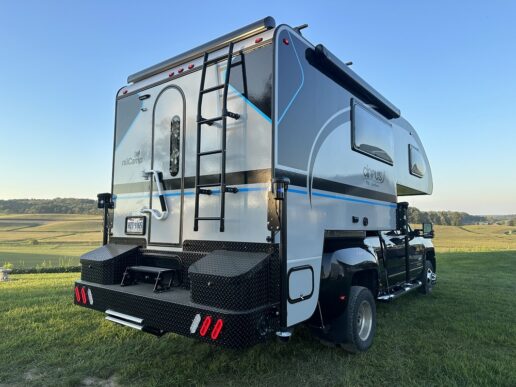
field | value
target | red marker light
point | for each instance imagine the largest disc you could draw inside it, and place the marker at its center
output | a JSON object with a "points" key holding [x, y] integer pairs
{"points": [[180, 70], [285, 41], [125, 92], [216, 329], [171, 74], [77, 294], [342, 298], [258, 40], [190, 66], [83, 296], [205, 326]]}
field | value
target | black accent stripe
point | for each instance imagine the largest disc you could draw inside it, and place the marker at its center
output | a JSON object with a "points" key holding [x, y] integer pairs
{"points": [[232, 178], [299, 179]]}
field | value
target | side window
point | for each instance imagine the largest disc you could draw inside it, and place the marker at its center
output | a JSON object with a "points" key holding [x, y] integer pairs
{"points": [[175, 144], [416, 162], [371, 134]]}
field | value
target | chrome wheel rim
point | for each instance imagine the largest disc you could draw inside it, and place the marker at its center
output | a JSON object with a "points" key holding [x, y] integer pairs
{"points": [[364, 320], [430, 278]]}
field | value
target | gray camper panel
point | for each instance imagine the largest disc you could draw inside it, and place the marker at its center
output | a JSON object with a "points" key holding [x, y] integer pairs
{"points": [[345, 159]]}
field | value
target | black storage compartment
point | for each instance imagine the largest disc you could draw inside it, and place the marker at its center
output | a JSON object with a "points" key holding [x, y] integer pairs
{"points": [[230, 280], [106, 265]]}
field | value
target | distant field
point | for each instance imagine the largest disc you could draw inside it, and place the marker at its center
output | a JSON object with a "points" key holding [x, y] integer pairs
{"points": [[60, 239], [47, 240], [475, 238], [461, 335]]}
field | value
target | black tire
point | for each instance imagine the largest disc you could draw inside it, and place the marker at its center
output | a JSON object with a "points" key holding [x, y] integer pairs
{"points": [[354, 329], [428, 270]]}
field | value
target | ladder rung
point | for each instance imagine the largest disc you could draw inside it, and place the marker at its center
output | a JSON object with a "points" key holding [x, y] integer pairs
{"points": [[210, 89], [215, 60], [212, 152], [207, 218], [208, 185], [209, 120], [234, 64]]}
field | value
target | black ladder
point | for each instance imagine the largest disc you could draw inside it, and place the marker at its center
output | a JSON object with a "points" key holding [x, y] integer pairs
{"points": [[206, 189]]}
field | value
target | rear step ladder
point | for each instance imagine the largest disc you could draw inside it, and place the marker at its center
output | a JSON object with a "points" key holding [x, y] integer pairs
{"points": [[163, 278], [205, 189]]}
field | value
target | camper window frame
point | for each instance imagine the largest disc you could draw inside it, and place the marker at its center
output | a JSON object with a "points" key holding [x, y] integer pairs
{"points": [[354, 102]]}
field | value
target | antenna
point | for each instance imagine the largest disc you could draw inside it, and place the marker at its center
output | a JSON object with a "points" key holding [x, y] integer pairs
{"points": [[301, 27], [348, 63]]}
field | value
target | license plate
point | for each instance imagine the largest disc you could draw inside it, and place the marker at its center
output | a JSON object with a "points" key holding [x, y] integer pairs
{"points": [[135, 225]]}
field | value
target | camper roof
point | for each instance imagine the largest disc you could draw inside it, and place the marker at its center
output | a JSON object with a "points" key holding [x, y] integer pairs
{"points": [[235, 36]]}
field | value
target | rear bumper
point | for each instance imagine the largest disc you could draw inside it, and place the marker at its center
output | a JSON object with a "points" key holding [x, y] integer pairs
{"points": [[173, 311]]}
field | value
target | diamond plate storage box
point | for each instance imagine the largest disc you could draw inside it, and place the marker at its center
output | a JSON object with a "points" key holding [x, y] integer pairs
{"points": [[231, 280], [106, 264]]}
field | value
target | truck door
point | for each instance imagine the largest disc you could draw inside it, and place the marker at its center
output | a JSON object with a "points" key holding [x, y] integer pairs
{"points": [[166, 199], [395, 256]]}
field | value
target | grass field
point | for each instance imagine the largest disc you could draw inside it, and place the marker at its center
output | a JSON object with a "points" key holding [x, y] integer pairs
{"points": [[47, 240], [463, 334]]}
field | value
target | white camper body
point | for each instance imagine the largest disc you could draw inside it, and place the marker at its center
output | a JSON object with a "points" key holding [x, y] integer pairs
{"points": [[303, 115]]}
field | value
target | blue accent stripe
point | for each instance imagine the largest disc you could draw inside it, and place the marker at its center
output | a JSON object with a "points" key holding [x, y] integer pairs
{"points": [[353, 200], [260, 189], [178, 193], [302, 80]]}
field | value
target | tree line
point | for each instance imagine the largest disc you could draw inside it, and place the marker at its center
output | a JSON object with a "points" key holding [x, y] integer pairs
{"points": [[49, 206]]}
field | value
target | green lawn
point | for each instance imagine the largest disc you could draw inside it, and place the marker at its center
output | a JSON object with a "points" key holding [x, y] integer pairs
{"points": [[463, 334]]}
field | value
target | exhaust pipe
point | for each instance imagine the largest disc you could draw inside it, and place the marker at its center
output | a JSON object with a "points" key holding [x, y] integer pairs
{"points": [[132, 322]]}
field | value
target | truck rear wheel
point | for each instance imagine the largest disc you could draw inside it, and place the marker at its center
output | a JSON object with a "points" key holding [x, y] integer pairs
{"points": [[354, 330]]}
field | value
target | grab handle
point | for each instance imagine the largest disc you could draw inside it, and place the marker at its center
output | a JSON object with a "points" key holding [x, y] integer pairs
{"points": [[158, 179]]}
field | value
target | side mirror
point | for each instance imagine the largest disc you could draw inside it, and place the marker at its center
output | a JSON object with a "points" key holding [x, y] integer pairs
{"points": [[428, 230]]}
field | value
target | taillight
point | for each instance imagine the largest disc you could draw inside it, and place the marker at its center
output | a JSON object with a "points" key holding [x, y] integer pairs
{"points": [[83, 296], [205, 326], [77, 294], [216, 329]]}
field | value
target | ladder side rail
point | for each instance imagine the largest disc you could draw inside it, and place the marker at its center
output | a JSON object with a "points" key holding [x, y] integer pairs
{"points": [[223, 140]]}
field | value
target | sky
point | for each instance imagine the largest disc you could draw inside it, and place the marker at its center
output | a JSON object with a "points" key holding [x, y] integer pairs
{"points": [[450, 66]]}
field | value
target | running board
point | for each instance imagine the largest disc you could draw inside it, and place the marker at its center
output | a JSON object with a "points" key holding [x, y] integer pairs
{"points": [[406, 288], [131, 322]]}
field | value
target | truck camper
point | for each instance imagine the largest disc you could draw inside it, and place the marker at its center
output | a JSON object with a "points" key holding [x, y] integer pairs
{"points": [[255, 187]]}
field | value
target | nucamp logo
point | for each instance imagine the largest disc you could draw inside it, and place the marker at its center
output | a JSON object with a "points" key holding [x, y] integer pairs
{"points": [[373, 176], [137, 158]]}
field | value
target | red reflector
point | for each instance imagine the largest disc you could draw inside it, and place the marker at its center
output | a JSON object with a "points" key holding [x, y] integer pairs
{"points": [[171, 74], [258, 40], [216, 329], [205, 326], [180, 70], [125, 92], [77, 294], [83, 296], [190, 66], [285, 41]]}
